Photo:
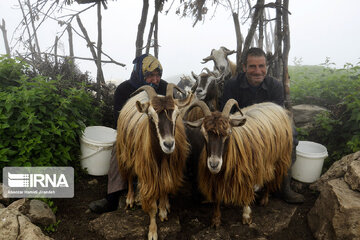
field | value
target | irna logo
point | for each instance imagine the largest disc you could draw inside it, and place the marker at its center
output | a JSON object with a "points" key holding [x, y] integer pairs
{"points": [[37, 180]]}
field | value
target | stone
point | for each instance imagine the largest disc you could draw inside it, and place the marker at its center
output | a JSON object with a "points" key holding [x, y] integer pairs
{"points": [[352, 176], [38, 212], [133, 224], [14, 226], [336, 213], [337, 170], [3, 200], [304, 114], [212, 233]]}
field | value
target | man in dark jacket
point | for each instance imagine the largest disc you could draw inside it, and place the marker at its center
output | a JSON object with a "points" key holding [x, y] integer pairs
{"points": [[253, 86], [147, 71]]}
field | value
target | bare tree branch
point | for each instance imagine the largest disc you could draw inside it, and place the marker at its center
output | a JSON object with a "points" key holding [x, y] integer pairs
{"points": [[3, 29]]}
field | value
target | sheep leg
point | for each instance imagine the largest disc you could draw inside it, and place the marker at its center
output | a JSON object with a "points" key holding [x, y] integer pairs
{"points": [[164, 207], [216, 220], [152, 235], [246, 218], [130, 195]]}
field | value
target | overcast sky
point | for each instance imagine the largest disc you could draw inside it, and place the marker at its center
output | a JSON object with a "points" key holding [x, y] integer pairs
{"points": [[318, 29]]}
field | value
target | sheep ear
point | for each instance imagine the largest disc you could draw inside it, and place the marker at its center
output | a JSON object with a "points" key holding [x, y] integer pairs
{"points": [[194, 124], [142, 107], [237, 120]]}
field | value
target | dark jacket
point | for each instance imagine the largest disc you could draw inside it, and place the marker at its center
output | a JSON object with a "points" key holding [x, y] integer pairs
{"points": [[270, 90]]}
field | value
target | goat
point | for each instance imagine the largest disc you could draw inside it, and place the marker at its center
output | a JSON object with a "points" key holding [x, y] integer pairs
{"points": [[152, 145], [222, 63], [241, 152], [207, 89], [186, 84]]}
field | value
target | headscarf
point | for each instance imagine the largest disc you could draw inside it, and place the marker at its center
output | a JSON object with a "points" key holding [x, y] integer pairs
{"points": [[144, 65]]}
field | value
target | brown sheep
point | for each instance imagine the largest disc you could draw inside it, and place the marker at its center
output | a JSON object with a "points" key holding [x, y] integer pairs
{"points": [[152, 145], [241, 152]]}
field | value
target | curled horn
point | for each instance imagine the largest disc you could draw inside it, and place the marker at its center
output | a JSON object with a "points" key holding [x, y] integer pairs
{"points": [[228, 106], [227, 51], [170, 89], [148, 89], [198, 103]]}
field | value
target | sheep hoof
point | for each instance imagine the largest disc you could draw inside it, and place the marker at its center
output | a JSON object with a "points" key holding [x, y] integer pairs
{"points": [[152, 236], [264, 201], [163, 215]]}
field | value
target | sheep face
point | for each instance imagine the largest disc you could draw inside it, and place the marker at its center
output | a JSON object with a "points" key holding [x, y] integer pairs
{"points": [[162, 112]]}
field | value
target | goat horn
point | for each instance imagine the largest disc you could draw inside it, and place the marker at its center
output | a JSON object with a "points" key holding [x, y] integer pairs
{"points": [[184, 102], [228, 106], [148, 89], [209, 58], [170, 89], [227, 51], [207, 70], [201, 104]]}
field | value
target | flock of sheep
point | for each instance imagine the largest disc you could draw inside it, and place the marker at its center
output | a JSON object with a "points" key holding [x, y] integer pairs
{"points": [[239, 151]]}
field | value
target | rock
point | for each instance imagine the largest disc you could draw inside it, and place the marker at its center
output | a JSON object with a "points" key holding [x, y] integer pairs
{"points": [[133, 224], [38, 212], [14, 225], [3, 200], [93, 182], [336, 213], [304, 114], [2, 205], [337, 170], [352, 176]]}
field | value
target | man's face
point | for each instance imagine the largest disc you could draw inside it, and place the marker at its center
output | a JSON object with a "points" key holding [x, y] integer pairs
{"points": [[153, 77], [255, 70]]}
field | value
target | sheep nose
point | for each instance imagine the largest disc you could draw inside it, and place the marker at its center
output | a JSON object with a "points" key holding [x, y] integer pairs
{"points": [[222, 68], [169, 144], [214, 165]]}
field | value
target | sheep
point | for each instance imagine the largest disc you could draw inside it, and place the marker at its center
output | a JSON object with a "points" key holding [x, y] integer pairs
{"points": [[152, 145], [241, 152], [222, 62]]}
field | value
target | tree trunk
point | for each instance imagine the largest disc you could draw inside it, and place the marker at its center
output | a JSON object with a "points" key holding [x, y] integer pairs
{"points": [[71, 47], [255, 19], [33, 53], [6, 43], [89, 43], [239, 41], [261, 30], [55, 52], [141, 29], [100, 76], [285, 59], [34, 30], [278, 43]]}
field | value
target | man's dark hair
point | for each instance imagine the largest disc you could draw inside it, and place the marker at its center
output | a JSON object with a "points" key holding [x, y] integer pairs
{"points": [[256, 52]]}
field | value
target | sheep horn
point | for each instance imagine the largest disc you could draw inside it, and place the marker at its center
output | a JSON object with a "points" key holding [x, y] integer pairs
{"points": [[198, 103], [148, 89], [228, 106]]}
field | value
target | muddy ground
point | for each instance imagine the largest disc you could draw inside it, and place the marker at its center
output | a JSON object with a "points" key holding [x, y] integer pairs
{"points": [[75, 216]]}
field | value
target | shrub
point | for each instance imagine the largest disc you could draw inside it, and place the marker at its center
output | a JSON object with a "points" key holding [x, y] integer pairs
{"points": [[40, 124], [339, 91]]}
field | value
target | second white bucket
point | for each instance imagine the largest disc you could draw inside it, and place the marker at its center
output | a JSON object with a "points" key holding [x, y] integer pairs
{"points": [[309, 161], [96, 145]]}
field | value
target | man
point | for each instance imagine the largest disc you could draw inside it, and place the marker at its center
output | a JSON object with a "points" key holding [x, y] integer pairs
{"points": [[253, 86], [147, 71]]}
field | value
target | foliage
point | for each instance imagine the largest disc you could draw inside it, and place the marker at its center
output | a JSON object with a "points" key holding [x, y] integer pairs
{"points": [[339, 91], [40, 122]]}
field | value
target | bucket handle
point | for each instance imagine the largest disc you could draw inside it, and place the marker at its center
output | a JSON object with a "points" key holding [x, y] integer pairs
{"points": [[99, 150]]}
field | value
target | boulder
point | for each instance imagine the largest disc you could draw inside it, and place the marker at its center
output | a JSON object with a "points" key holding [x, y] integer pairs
{"points": [[3, 200], [336, 213], [352, 176], [14, 225], [133, 224], [337, 170], [304, 114], [38, 212]]}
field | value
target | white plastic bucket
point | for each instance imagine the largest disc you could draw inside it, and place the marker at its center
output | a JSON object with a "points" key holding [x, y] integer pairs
{"points": [[96, 145], [309, 161]]}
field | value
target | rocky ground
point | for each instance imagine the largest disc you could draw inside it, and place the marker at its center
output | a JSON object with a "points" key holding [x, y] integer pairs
{"points": [[189, 218]]}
